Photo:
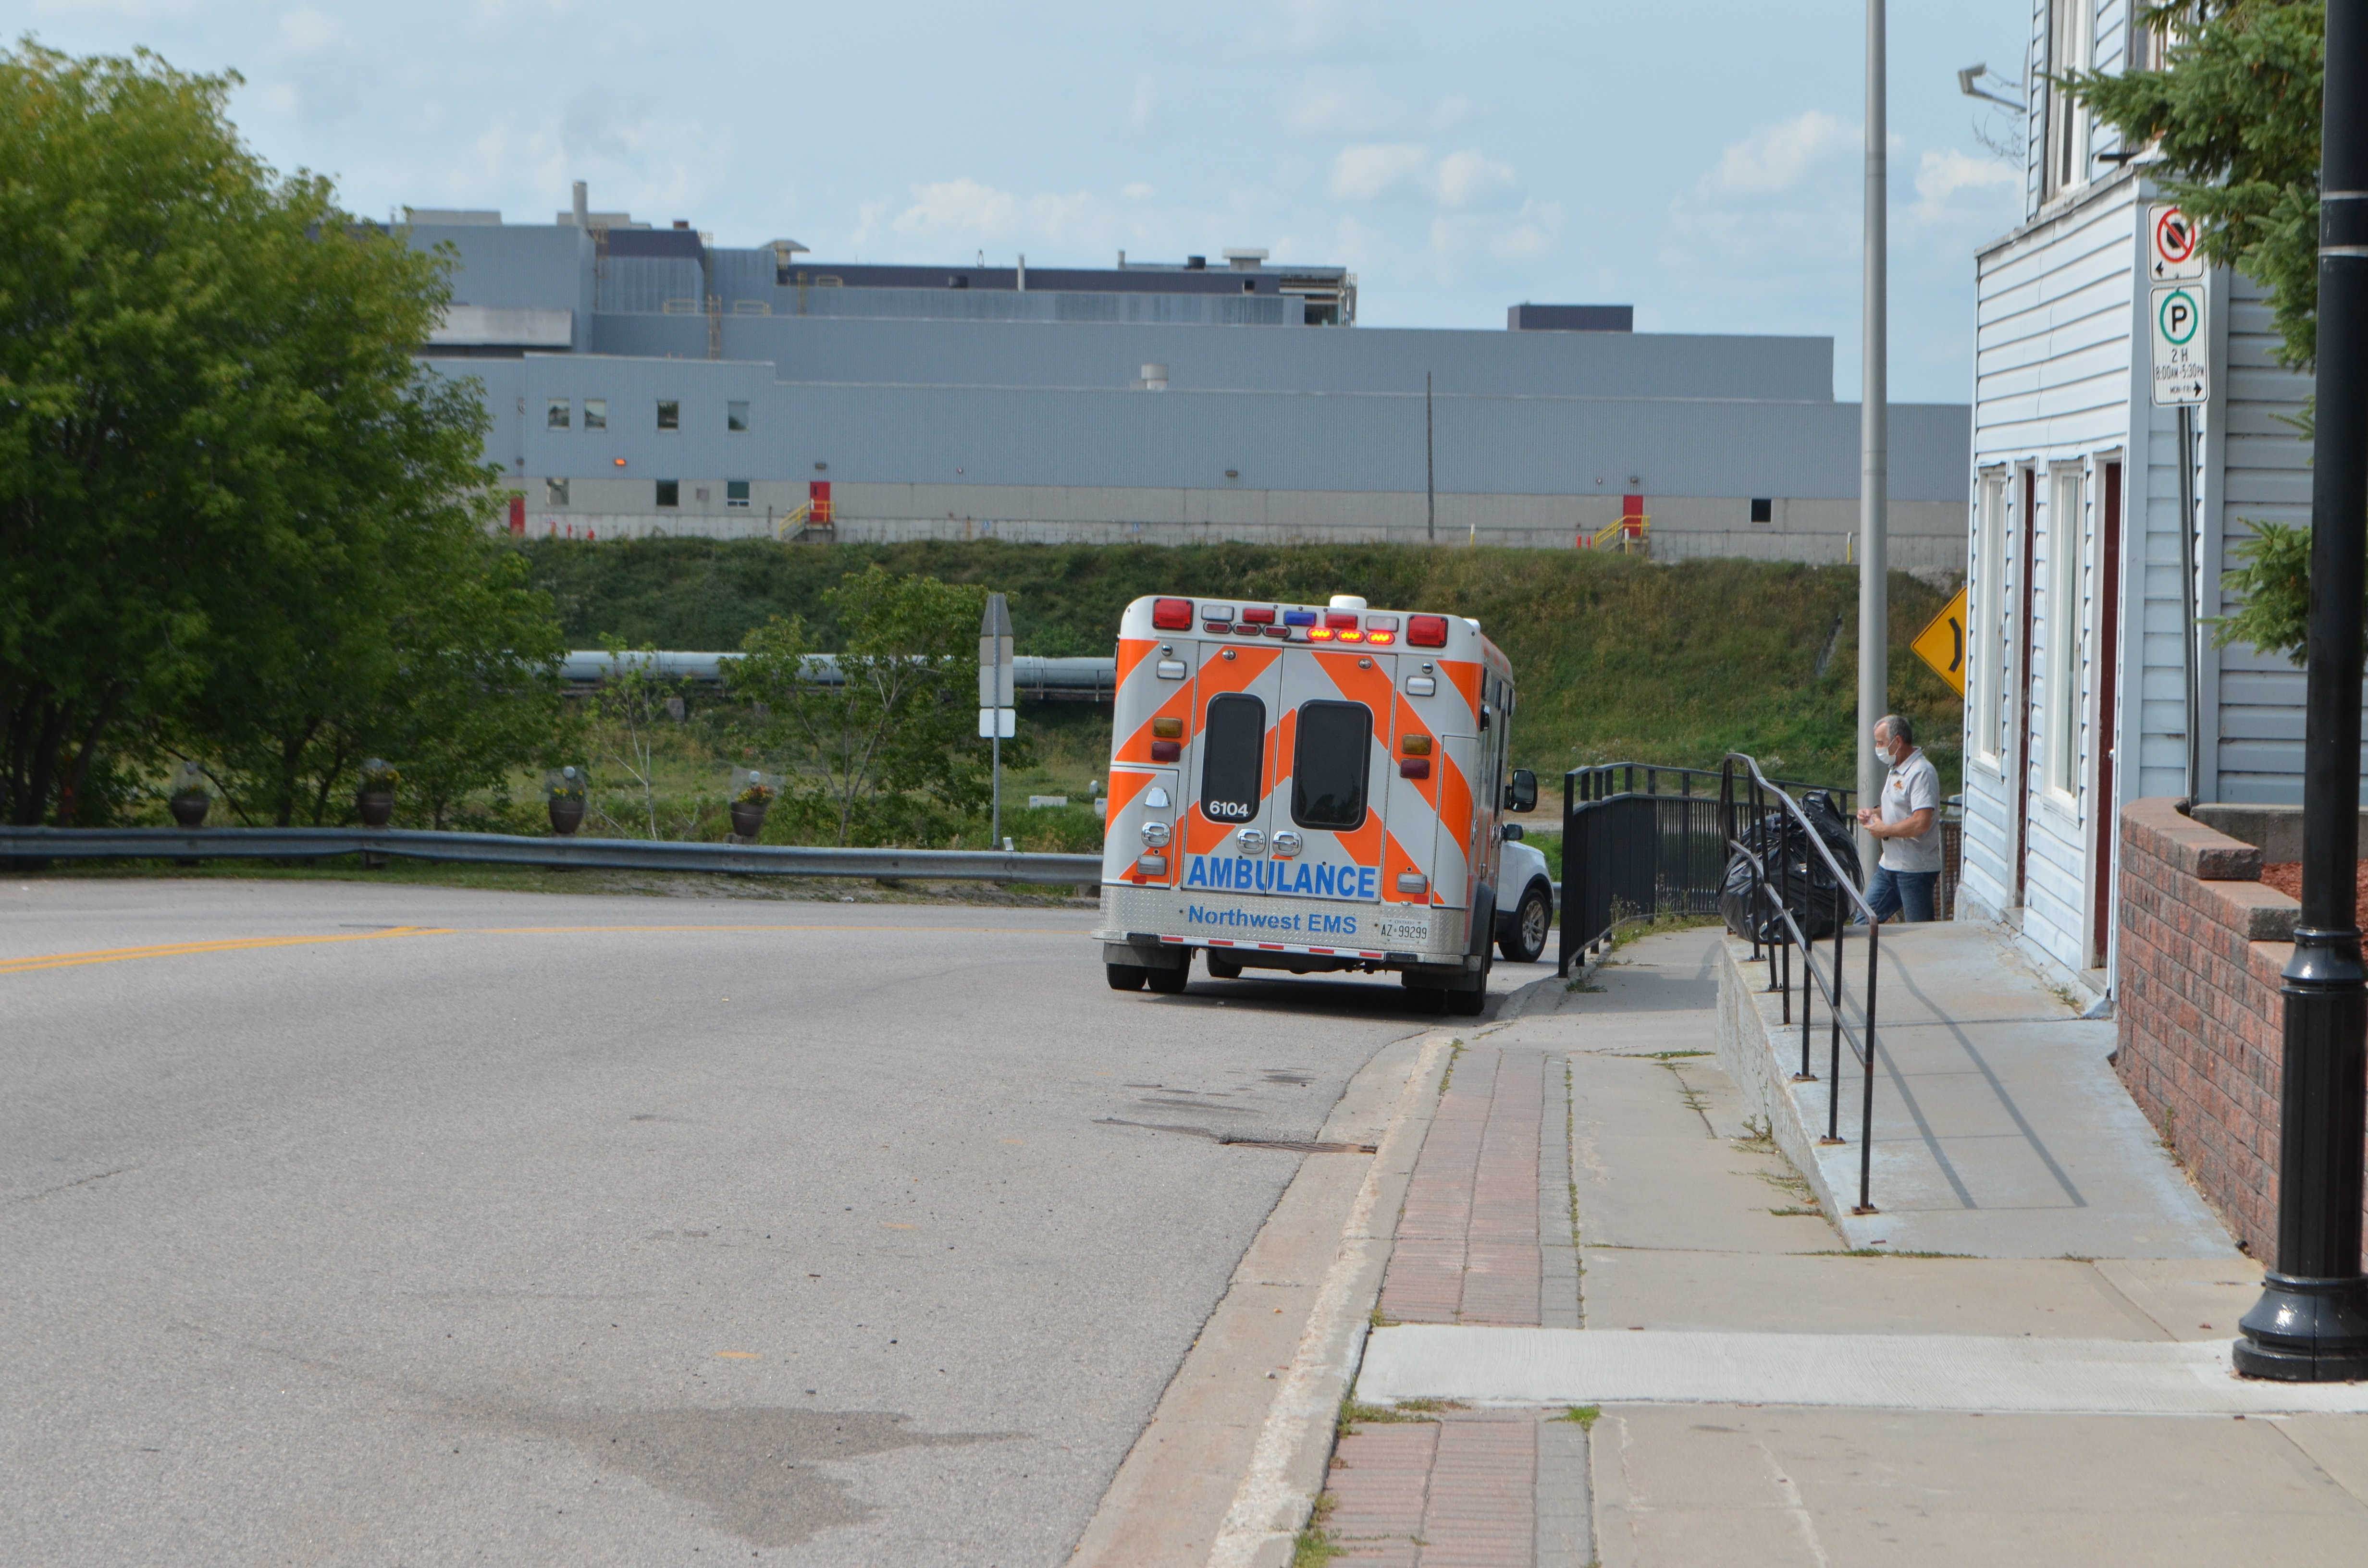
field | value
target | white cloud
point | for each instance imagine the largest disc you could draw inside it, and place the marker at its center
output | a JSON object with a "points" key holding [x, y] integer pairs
{"points": [[1328, 104], [1147, 100], [1137, 191], [1942, 173], [1311, 24], [1450, 111], [1777, 158], [1370, 171], [1378, 170], [1469, 179]]}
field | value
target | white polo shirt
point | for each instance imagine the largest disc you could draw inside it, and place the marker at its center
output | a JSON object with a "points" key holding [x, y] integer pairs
{"points": [[1911, 787]]}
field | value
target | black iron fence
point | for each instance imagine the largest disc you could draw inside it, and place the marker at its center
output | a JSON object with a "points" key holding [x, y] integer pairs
{"points": [[1647, 841]]}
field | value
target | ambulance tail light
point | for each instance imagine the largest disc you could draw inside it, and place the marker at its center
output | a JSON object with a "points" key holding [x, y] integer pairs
{"points": [[1352, 637], [1320, 634], [1427, 632], [1340, 621], [1380, 639], [1258, 615], [1167, 729], [1166, 751], [1414, 768], [1176, 615]]}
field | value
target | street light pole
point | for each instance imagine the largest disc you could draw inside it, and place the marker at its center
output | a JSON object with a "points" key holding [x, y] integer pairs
{"points": [[1873, 458], [2311, 1324]]}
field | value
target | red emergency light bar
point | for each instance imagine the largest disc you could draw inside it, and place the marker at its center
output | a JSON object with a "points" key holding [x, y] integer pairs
{"points": [[1258, 615], [1427, 631], [1340, 620], [1176, 615], [1380, 638]]}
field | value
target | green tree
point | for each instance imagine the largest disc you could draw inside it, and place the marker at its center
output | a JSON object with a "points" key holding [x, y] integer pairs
{"points": [[2236, 113], [890, 750], [237, 520]]}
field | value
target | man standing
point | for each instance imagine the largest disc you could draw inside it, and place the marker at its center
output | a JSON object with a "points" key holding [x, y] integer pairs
{"points": [[1908, 821]]}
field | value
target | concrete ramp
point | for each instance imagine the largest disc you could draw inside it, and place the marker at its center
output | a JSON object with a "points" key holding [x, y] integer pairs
{"points": [[2000, 1130]]}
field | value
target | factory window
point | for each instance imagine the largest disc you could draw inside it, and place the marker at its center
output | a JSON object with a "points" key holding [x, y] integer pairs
{"points": [[1763, 509], [735, 417], [595, 413], [555, 492], [701, 493], [669, 414], [735, 492], [670, 491], [555, 415]]}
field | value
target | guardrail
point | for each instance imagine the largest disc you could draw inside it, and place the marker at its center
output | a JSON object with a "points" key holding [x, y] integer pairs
{"points": [[1780, 894], [1033, 675], [504, 849]]}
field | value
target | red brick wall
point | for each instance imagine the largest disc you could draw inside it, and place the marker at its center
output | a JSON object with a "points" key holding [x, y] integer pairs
{"points": [[2203, 943]]}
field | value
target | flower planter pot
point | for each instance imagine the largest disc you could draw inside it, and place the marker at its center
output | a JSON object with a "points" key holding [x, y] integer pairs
{"points": [[376, 806], [189, 811], [567, 816], [748, 820]]}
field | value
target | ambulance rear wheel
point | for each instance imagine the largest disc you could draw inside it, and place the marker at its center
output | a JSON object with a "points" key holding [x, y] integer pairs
{"points": [[1126, 976], [1466, 1004], [1225, 968], [1168, 982]]}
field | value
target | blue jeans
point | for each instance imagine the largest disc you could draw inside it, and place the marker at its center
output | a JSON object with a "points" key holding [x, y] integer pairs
{"points": [[1891, 891]]}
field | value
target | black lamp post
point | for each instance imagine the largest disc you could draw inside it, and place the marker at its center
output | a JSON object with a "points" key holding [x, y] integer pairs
{"points": [[2311, 1324]]}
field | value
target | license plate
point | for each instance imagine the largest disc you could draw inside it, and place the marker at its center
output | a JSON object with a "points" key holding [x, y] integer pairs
{"points": [[1390, 931]]}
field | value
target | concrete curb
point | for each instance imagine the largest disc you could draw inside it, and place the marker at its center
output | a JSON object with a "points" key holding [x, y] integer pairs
{"points": [[1228, 1468]]}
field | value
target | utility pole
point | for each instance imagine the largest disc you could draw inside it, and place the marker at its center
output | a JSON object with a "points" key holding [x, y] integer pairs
{"points": [[2311, 1324], [1429, 468], [1874, 455]]}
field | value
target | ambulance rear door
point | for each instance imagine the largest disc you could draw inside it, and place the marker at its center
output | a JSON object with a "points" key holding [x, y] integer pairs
{"points": [[1229, 767], [1332, 767]]}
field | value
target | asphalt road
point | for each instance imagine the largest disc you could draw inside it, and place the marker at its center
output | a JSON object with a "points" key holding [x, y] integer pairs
{"points": [[605, 1230]]}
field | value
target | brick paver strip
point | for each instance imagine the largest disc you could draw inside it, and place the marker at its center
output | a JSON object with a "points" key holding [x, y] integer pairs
{"points": [[1483, 1506], [1467, 1238], [1379, 1482]]}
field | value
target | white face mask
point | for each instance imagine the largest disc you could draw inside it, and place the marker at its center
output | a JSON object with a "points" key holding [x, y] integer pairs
{"points": [[1882, 753]]}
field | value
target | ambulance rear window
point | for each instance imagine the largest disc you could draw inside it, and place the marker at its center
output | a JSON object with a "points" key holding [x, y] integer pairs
{"points": [[1232, 754], [1327, 771]]}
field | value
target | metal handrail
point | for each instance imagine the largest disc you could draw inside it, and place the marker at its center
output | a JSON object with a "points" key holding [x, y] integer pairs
{"points": [[506, 849], [1831, 983]]}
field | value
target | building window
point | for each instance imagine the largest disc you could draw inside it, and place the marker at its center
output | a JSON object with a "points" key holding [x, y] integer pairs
{"points": [[2071, 33], [735, 492], [670, 491], [1763, 509], [669, 414], [735, 417], [2061, 697], [701, 493], [1984, 626], [595, 413], [556, 415], [555, 492]]}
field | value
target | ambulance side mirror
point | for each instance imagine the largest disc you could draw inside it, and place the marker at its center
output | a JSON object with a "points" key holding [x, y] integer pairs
{"points": [[1521, 794], [1512, 833]]}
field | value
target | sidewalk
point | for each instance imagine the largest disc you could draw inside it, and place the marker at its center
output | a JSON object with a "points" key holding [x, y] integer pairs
{"points": [[1617, 1326]]}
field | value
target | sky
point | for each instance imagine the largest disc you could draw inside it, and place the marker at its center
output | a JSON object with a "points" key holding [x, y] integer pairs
{"points": [[1699, 159]]}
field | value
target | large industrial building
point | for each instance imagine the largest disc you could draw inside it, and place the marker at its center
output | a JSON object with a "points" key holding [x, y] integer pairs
{"points": [[645, 381]]}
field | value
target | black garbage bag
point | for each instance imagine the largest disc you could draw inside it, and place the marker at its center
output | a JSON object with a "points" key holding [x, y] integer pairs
{"points": [[1793, 869]]}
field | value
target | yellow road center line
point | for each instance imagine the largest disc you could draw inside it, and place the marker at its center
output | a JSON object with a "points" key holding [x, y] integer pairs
{"points": [[174, 949]]}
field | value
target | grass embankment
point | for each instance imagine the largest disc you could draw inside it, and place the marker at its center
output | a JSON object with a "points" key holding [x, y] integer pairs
{"points": [[1617, 658]]}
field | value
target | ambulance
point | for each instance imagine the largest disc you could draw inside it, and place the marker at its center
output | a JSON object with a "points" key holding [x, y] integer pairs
{"points": [[1315, 789]]}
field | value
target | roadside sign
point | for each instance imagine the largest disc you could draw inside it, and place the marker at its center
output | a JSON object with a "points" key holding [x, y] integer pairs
{"points": [[2180, 375], [995, 677], [996, 724], [2173, 254], [1942, 643]]}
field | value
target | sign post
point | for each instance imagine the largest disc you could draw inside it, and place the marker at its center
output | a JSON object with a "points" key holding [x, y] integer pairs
{"points": [[995, 698]]}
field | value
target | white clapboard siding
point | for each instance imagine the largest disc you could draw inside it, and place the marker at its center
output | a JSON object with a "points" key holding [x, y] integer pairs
{"points": [[2053, 387], [2267, 478]]}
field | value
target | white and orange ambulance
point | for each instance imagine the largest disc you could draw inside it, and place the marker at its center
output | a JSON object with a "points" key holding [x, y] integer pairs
{"points": [[1314, 789]]}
